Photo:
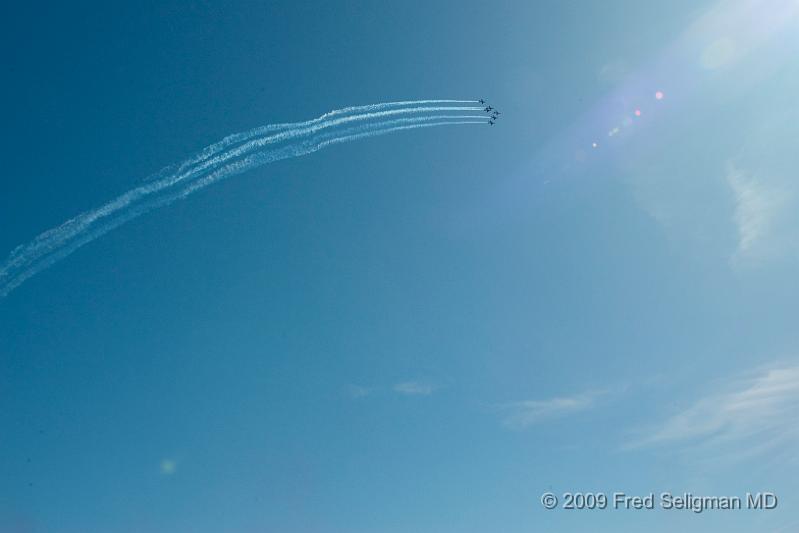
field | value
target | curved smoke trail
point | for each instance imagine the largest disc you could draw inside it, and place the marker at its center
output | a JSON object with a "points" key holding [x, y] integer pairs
{"points": [[221, 160], [260, 130], [49, 239]]}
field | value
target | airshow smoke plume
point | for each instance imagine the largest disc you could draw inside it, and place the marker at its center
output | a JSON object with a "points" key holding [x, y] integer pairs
{"points": [[232, 155]]}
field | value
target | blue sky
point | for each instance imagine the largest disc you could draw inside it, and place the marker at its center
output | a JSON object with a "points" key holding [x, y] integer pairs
{"points": [[421, 331]]}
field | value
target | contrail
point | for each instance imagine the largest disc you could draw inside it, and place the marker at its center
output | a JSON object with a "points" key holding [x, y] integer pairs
{"points": [[260, 130], [320, 141], [44, 242], [68, 246], [222, 160], [304, 130]]}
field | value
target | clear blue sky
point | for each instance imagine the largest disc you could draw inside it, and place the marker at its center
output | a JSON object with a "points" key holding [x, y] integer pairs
{"points": [[420, 332]]}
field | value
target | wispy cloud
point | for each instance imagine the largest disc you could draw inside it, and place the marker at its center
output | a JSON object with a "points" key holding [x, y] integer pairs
{"points": [[405, 388], [415, 388], [756, 208], [357, 391], [747, 417], [613, 72], [519, 415]]}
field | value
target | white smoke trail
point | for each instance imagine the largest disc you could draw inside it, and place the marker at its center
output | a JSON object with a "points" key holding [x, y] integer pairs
{"points": [[231, 140], [47, 240], [305, 130], [320, 141], [227, 171], [55, 244]]}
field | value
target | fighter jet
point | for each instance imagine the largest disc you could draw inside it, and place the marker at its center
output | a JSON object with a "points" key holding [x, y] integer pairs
{"points": [[490, 122], [488, 108], [481, 101], [497, 112]]}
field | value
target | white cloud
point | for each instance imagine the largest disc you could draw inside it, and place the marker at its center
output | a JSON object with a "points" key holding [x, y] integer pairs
{"points": [[358, 391], [748, 417], [613, 72], [720, 53], [519, 415], [756, 209], [414, 388]]}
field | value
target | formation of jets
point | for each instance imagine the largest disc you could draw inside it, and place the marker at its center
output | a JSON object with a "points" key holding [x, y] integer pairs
{"points": [[493, 114]]}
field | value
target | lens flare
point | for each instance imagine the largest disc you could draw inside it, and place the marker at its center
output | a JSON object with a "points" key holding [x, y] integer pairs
{"points": [[168, 467]]}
